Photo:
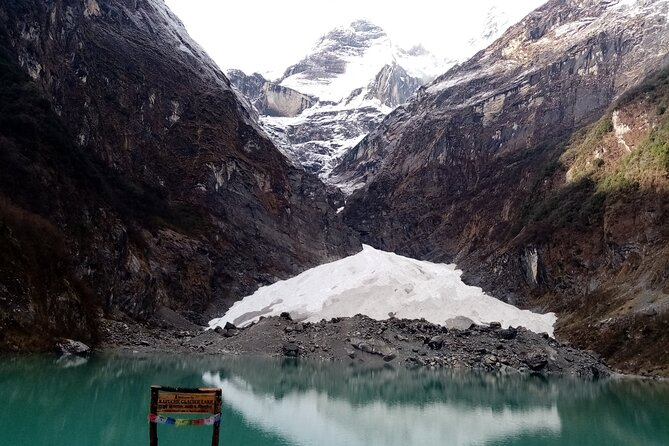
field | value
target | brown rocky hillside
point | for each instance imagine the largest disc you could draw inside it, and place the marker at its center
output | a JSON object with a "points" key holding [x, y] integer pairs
{"points": [[133, 177], [525, 167]]}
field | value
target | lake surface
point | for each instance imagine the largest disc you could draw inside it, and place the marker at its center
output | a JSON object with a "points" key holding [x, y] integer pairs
{"points": [[104, 401]]}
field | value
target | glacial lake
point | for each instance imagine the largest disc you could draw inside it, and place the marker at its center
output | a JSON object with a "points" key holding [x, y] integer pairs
{"points": [[104, 401]]}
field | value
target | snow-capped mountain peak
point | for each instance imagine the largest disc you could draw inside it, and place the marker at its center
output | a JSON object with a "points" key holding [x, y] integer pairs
{"points": [[358, 34], [350, 57], [353, 77]]}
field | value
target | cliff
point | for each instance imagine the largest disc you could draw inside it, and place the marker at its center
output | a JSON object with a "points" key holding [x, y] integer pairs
{"points": [[154, 182], [454, 175]]}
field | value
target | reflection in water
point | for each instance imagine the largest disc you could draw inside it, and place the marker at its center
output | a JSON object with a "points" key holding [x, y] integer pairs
{"points": [[104, 401], [314, 418], [67, 361]]}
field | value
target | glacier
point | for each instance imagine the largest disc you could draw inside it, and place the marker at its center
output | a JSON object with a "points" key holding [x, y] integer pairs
{"points": [[379, 284]]}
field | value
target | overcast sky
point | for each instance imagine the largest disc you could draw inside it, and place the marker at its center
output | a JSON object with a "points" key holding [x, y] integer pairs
{"points": [[270, 35]]}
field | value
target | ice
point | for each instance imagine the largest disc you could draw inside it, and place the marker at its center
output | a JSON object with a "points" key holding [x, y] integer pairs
{"points": [[376, 283], [335, 122]]}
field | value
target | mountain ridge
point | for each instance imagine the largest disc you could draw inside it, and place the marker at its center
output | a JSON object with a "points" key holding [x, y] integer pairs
{"points": [[475, 143], [354, 76]]}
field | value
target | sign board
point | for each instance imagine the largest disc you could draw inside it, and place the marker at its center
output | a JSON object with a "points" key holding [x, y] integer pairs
{"points": [[169, 402]]}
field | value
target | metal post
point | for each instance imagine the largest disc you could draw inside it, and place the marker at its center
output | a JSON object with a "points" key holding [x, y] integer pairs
{"points": [[217, 408], [153, 428]]}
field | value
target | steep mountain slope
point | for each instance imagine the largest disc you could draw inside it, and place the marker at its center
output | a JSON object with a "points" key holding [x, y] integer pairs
{"points": [[598, 223], [154, 181], [352, 78], [39, 287], [456, 174]]}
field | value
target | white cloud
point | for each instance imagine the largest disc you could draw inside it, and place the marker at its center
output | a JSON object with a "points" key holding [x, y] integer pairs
{"points": [[270, 35]]}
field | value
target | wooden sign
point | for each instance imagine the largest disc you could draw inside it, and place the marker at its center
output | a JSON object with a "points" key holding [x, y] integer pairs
{"points": [[171, 400]]}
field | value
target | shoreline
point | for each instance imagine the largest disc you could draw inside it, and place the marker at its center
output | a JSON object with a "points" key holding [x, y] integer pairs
{"points": [[362, 340]]}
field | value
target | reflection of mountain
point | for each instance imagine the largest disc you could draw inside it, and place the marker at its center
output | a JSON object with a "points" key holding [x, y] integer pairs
{"points": [[401, 386], [269, 402], [324, 420], [320, 404]]}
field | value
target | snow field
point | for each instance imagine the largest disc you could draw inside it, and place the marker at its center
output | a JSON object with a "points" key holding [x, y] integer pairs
{"points": [[376, 283]]}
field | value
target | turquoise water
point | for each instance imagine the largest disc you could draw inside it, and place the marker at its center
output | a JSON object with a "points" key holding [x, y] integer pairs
{"points": [[104, 401]]}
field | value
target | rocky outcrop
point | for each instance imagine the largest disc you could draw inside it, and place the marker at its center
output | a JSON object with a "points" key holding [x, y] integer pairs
{"points": [[454, 174], [392, 86], [283, 101], [250, 86], [267, 97], [155, 180]]}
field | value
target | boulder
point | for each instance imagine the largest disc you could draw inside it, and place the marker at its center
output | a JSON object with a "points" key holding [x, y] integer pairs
{"points": [[508, 333], [536, 361], [291, 350], [229, 326], [459, 323], [72, 347], [436, 342]]}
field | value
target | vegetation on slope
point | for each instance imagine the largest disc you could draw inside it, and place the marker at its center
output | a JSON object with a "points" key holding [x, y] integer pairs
{"points": [[599, 214]]}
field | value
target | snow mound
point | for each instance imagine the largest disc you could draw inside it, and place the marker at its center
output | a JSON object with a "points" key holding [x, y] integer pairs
{"points": [[376, 283]]}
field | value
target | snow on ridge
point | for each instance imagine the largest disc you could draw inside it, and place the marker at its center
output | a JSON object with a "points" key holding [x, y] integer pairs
{"points": [[376, 283], [554, 42], [360, 70], [363, 49]]}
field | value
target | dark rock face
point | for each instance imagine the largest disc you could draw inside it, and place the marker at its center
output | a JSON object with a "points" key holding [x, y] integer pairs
{"points": [[177, 200], [393, 86], [455, 174], [250, 86], [269, 98]]}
